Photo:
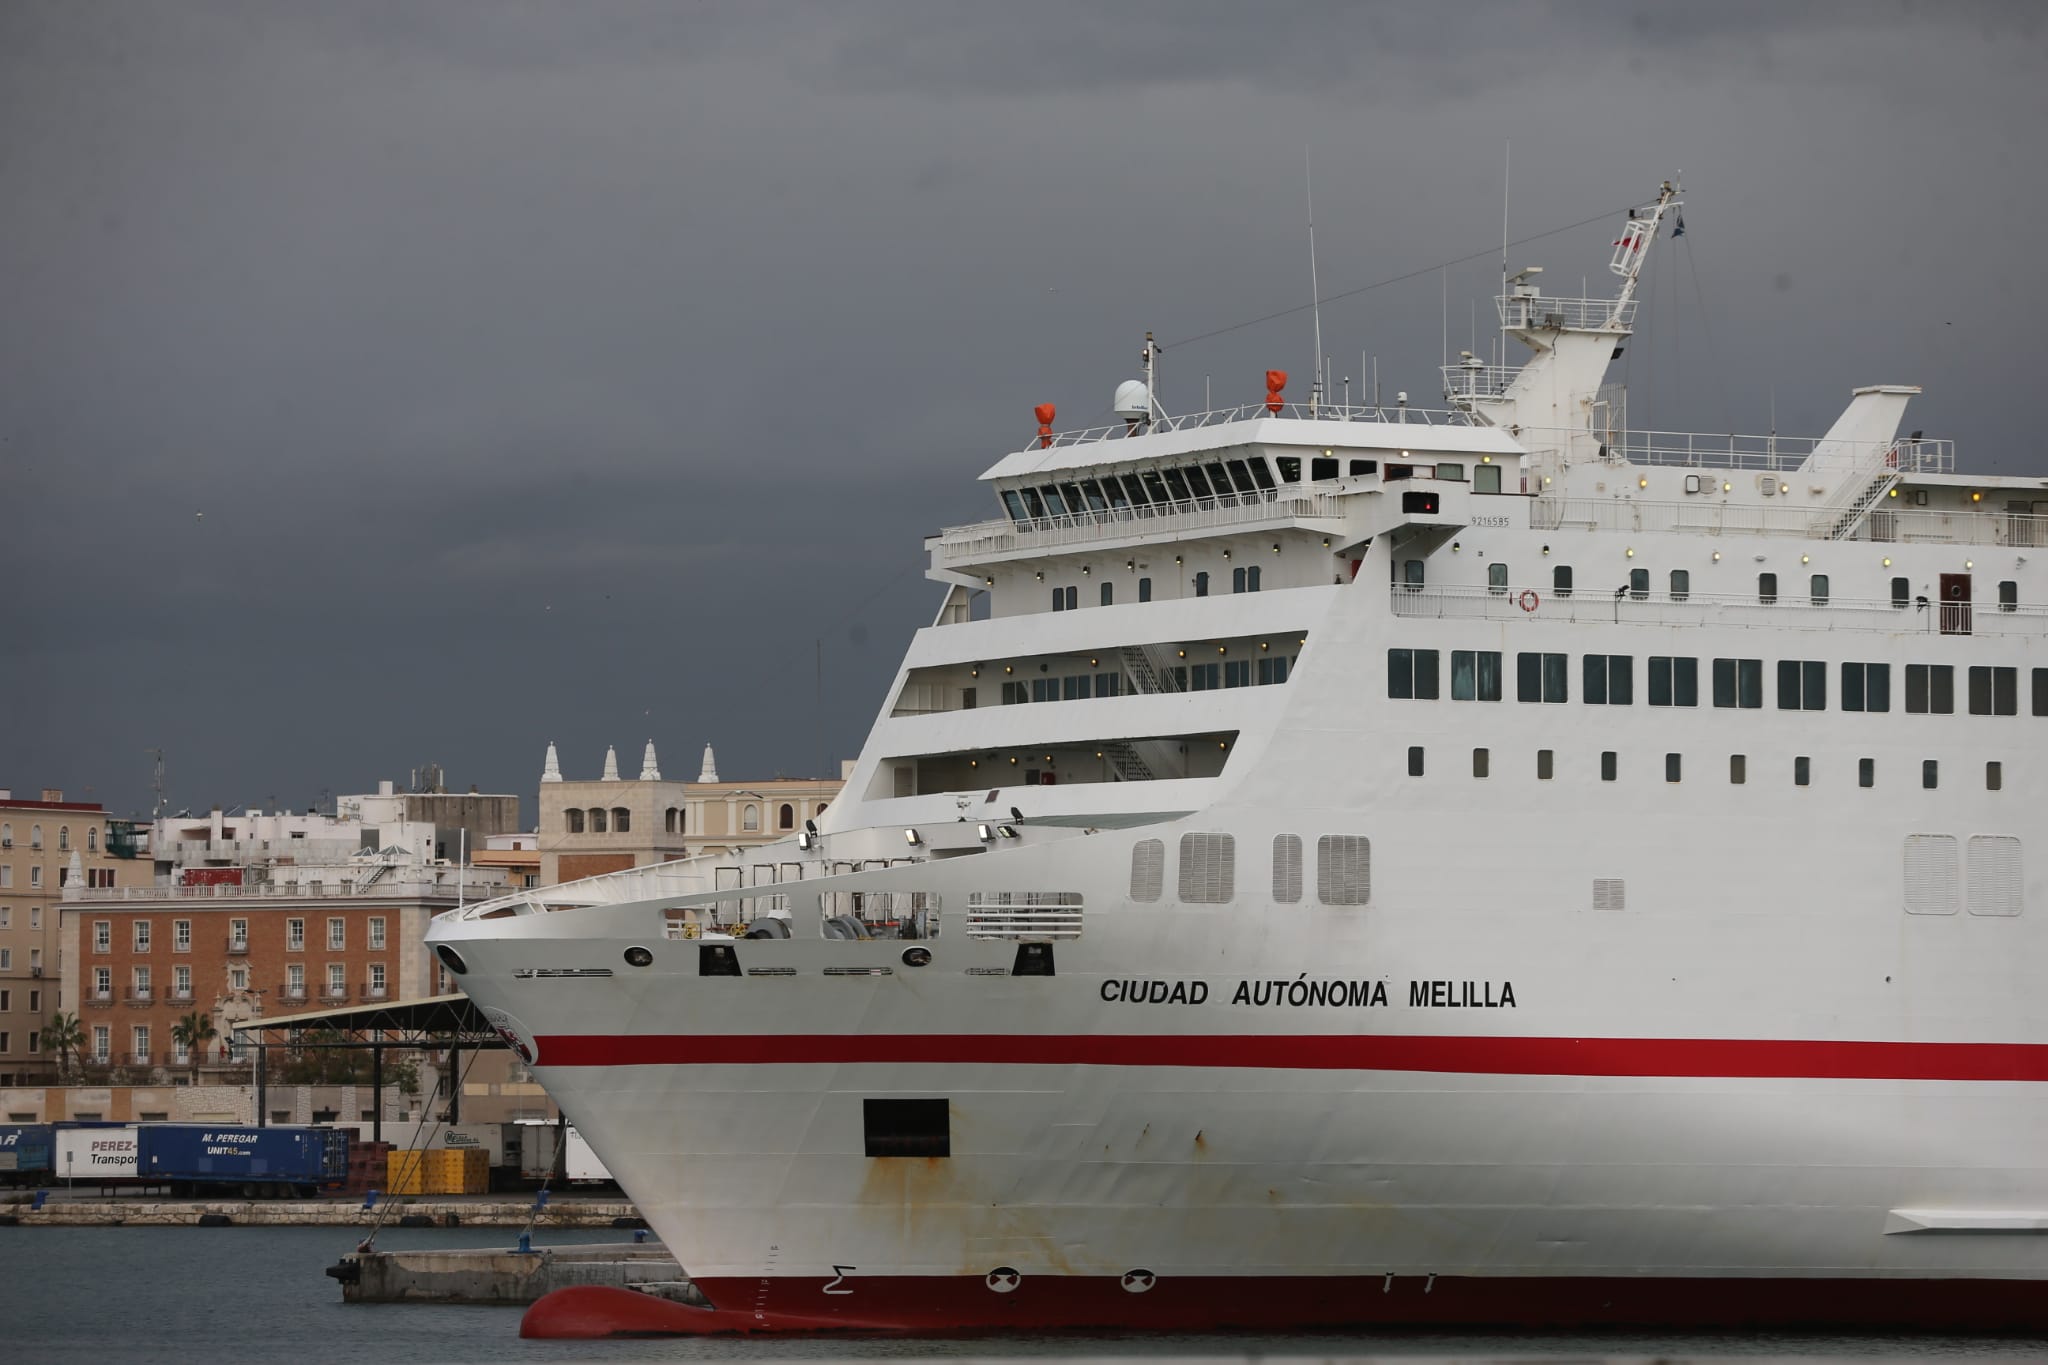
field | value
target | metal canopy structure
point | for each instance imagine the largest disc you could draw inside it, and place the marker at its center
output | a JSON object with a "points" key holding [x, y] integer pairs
{"points": [[435, 1021], [450, 1021]]}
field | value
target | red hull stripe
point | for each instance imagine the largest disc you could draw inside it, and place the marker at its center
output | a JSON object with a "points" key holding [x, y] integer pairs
{"points": [[1722, 1057], [956, 1306]]}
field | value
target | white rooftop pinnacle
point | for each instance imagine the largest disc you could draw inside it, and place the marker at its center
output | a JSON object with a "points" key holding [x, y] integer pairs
{"points": [[611, 764], [710, 773], [649, 771], [551, 771]]}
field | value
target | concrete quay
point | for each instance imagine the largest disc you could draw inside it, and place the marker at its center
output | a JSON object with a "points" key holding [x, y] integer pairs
{"points": [[504, 1278], [400, 1212]]}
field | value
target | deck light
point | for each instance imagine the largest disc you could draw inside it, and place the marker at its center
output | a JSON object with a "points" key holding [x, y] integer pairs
{"points": [[1223, 744], [911, 837], [985, 832], [1008, 669], [1969, 563], [1048, 758], [1040, 575], [804, 840], [1455, 547], [1806, 559], [1887, 561], [1976, 497], [1013, 760], [1098, 753], [1486, 459], [1183, 654], [1784, 488], [1630, 552], [1226, 554], [974, 763], [1130, 563], [989, 581], [1326, 542], [1223, 649], [1546, 552], [1893, 494], [1091, 663], [1717, 556], [1005, 832], [1086, 571], [1276, 547], [1643, 481], [1176, 559], [1265, 644], [974, 672]]}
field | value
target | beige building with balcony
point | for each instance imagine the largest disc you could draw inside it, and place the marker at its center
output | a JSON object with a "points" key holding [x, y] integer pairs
{"points": [[590, 827], [45, 845]]}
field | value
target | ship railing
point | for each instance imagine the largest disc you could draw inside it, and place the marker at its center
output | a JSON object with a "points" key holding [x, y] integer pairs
{"points": [[1709, 516], [976, 542], [1477, 380], [1622, 604], [1774, 453], [1393, 414], [1527, 312]]}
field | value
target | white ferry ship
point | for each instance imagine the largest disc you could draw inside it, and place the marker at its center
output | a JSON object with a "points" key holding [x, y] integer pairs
{"points": [[1337, 866]]}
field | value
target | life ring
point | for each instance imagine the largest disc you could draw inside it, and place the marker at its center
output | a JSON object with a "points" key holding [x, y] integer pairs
{"points": [[1528, 601]]}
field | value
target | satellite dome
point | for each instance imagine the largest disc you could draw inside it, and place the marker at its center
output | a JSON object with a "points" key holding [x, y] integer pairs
{"points": [[1133, 399]]}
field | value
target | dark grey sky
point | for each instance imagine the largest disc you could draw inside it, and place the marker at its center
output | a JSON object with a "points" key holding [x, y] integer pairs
{"points": [[578, 370]]}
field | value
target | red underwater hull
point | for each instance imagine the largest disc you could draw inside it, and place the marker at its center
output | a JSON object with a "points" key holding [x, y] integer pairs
{"points": [[962, 1305]]}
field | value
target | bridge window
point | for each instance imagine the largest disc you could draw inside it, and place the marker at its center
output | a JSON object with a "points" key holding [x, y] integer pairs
{"points": [[1994, 691], [1674, 681], [1930, 689], [1322, 468], [1802, 685], [1866, 687], [1610, 679], [1411, 574], [1541, 678], [1475, 675], [1412, 674], [1739, 683]]}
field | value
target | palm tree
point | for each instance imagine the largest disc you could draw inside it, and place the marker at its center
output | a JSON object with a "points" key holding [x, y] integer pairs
{"points": [[193, 1033], [64, 1035]]}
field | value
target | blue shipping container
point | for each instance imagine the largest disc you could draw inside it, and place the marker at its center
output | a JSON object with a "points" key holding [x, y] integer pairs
{"points": [[25, 1153], [214, 1154]]}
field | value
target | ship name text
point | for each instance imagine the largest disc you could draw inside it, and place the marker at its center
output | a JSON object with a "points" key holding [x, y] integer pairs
{"points": [[1304, 992]]}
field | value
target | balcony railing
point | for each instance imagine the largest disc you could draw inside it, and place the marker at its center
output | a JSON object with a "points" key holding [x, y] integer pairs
{"points": [[288, 991], [376, 992], [175, 996], [1525, 311], [1780, 454], [237, 946], [99, 997], [334, 995], [138, 995], [1394, 415], [1619, 604]]}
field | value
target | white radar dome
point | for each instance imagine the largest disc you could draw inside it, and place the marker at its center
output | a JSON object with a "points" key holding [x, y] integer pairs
{"points": [[1133, 399]]}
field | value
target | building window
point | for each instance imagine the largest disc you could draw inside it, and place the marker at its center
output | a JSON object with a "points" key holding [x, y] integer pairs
{"points": [[1930, 689], [35, 878], [1412, 673], [1497, 576], [1674, 681], [1639, 584], [1609, 679], [181, 982], [1540, 678], [337, 934], [377, 978], [750, 818], [1415, 760], [295, 935], [376, 931], [181, 935], [92, 841], [1475, 675], [597, 820], [138, 979], [1930, 774], [1202, 583], [1866, 687], [140, 1037], [1902, 593], [1561, 580], [337, 979], [1738, 769], [103, 982], [572, 821], [103, 936], [1545, 765], [1802, 772], [1994, 691], [6, 836], [295, 980], [1994, 776], [35, 836], [102, 1043], [140, 932], [63, 838], [786, 817], [622, 820], [238, 935], [1672, 763], [1767, 588], [1481, 762], [1681, 584], [1739, 683], [1610, 763], [1802, 685]]}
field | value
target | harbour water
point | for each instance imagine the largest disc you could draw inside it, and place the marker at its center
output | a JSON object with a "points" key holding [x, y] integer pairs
{"points": [[230, 1295]]}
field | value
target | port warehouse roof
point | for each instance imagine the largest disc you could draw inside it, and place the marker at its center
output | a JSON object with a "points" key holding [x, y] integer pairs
{"points": [[434, 1020]]}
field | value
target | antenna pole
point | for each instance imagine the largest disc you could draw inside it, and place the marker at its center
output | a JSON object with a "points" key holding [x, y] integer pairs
{"points": [[1506, 160], [1315, 291]]}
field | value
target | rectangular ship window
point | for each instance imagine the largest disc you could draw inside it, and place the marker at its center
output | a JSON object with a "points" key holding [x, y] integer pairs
{"points": [[1540, 678], [1739, 683], [1994, 691], [1866, 687], [1931, 689], [1866, 772], [1738, 769], [1674, 681], [1545, 765], [907, 1127]]}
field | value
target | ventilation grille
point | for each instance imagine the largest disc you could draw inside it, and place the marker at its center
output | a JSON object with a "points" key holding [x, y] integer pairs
{"points": [[1287, 869], [1931, 874], [1344, 869], [1995, 877], [1208, 869], [1610, 893], [1148, 870], [1024, 914]]}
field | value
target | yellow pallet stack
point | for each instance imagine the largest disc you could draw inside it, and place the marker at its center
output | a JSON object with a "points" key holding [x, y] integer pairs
{"points": [[438, 1170]]}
